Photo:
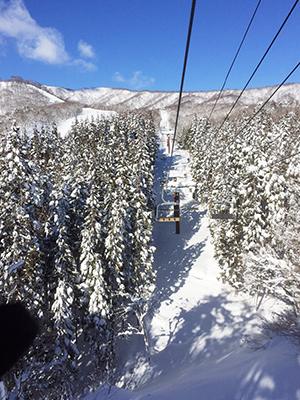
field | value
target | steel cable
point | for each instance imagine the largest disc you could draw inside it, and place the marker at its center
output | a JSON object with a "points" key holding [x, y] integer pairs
{"points": [[260, 62], [235, 57], [182, 79]]}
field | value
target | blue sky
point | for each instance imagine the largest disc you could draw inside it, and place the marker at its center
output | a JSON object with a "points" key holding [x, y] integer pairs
{"points": [[140, 44]]}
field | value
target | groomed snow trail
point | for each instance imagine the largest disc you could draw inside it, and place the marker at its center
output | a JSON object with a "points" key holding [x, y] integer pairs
{"points": [[206, 343]]}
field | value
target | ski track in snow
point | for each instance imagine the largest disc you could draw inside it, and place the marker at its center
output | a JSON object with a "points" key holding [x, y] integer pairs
{"points": [[206, 343]]}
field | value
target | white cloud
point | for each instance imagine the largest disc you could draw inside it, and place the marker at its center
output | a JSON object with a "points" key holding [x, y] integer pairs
{"points": [[2, 46], [118, 77], [33, 41], [85, 66], [138, 80], [85, 50], [36, 42]]}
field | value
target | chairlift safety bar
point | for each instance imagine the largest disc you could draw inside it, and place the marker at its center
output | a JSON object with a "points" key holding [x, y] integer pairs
{"points": [[169, 219]]}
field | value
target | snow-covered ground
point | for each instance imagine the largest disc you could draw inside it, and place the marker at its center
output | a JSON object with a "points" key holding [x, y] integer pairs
{"points": [[206, 343]]}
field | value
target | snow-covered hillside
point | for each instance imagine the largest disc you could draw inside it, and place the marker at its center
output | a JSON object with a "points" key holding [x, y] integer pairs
{"points": [[109, 97], [15, 95], [206, 343], [28, 103]]}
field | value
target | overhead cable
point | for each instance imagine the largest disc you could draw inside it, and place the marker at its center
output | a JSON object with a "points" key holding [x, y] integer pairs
{"points": [[235, 57], [264, 104], [284, 159], [270, 164], [182, 78], [260, 62]]}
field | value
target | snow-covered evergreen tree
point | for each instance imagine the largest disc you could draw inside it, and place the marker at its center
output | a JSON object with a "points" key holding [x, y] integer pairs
{"points": [[254, 248], [19, 200], [75, 243]]}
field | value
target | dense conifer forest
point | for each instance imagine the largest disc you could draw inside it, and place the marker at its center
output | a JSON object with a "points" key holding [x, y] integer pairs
{"points": [[247, 172], [75, 243], [76, 223]]}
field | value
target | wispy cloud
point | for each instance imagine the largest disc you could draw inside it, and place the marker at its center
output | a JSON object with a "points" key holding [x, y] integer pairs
{"points": [[85, 50], [84, 65], [118, 77], [36, 42], [138, 80], [33, 41]]}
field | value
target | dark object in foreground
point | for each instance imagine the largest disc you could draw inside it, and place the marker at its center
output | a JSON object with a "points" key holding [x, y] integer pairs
{"points": [[17, 331]]}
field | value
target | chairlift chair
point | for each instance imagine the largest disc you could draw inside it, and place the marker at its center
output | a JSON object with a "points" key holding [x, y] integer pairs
{"points": [[165, 210], [221, 209]]}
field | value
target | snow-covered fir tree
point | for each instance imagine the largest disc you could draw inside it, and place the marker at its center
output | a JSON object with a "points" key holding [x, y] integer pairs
{"points": [[76, 244], [254, 249]]}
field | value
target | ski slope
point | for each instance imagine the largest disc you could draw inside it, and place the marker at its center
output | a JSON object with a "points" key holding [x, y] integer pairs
{"points": [[65, 126], [206, 343]]}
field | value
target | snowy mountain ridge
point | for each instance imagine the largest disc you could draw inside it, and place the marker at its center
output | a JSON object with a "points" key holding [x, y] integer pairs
{"points": [[109, 97], [19, 95], [19, 100]]}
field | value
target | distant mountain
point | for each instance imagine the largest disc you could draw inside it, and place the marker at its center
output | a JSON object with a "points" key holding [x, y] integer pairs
{"points": [[29, 103]]}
